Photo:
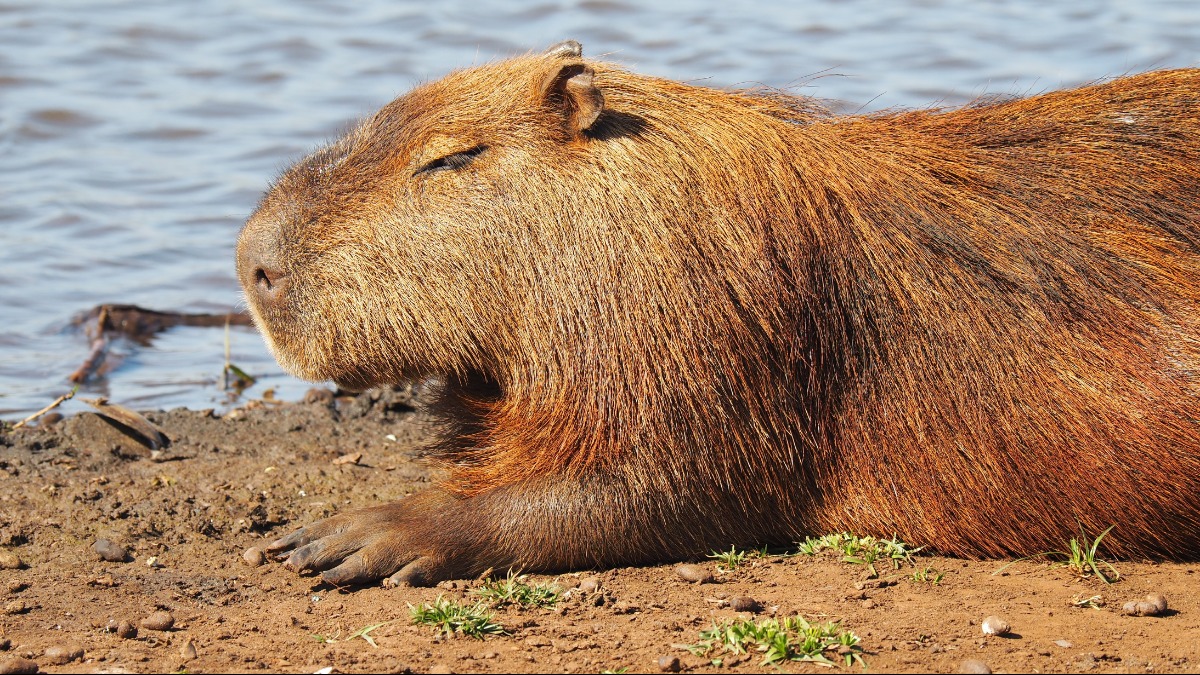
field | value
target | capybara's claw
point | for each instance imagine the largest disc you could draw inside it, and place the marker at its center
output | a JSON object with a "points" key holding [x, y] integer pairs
{"points": [[282, 545], [420, 572], [314, 556], [351, 571]]}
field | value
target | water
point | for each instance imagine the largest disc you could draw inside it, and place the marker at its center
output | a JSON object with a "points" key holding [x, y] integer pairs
{"points": [[135, 137]]}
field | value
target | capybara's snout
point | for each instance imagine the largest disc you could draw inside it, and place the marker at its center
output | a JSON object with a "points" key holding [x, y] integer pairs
{"points": [[260, 266]]}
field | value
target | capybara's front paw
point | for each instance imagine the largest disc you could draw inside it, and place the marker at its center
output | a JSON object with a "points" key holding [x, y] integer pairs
{"points": [[391, 542]]}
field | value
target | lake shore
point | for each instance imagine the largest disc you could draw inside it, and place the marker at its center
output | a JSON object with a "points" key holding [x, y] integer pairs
{"points": [[184, 514]]}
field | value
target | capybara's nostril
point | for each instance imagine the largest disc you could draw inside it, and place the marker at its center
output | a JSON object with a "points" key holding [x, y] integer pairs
{"points": [[263, 279], [269, 285], [258, 261]]}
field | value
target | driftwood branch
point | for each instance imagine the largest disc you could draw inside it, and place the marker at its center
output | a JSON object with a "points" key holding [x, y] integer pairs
{"points": [[57, 402], [139, 325]]}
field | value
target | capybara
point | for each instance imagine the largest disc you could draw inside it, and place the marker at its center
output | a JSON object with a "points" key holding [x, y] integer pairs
{"points": [[666, 319]]}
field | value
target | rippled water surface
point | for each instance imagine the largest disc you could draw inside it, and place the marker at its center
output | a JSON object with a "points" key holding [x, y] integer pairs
{"points": [[135, 137]]}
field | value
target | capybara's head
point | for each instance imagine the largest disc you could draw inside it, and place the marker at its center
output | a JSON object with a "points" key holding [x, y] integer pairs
{"points": [[501, 221]]}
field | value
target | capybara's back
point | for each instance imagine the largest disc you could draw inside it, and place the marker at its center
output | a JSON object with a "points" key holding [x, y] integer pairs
{"points": [[667, 319]]}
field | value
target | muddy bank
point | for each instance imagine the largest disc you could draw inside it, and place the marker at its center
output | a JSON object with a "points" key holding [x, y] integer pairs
{"points": [[183, 516]]}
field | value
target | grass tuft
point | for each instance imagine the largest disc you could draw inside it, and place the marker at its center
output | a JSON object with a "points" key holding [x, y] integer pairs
{"points": [[861, 550], [1080, 557], [792, 639], [455, 618], [927, 575], [516, 590], [365, 633], [729, 560]]}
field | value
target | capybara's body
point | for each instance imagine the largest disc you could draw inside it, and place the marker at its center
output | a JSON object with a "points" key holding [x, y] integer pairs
{"points": [[669, 319]]}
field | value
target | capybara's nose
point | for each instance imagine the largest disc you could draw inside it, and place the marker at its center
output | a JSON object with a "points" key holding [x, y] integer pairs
{"points": [[259, 268]]}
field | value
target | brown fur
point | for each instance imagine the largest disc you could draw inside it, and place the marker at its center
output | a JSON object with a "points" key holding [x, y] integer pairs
{"points": [[707, 318]]}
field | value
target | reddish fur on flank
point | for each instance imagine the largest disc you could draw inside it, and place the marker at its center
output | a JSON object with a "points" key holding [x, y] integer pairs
{"points": [[708, 317]]}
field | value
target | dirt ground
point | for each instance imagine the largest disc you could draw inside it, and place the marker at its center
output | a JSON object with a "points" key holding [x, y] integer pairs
{"points": [[186, 513]]}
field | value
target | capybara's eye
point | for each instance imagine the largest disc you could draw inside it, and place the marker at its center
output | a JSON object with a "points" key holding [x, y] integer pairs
{"points": [[454, 161]]}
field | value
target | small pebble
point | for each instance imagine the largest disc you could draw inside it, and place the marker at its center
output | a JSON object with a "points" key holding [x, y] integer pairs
{"points": [[440, 669], [318, 395], [974, 666], [668, 664], [159, 621], [188, 651], [17, 666], [16, 607], [16, 586], [868, 604], [1159, 601], [694, 573], [126, 630], [589, 585], [744, 603], [60, 655], [994, 625], [254, 556], [1153, 605], [1065, 644], [110, 551], [105, 580], [10, 561]]}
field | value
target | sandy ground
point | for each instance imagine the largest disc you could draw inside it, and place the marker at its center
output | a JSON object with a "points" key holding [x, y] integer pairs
{"points": [[186, 513]]}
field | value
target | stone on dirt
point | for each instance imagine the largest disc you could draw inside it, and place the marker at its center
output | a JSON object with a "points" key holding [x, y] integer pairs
{"points": [[16, 607], [589, 585], [17, 665], [744, 603], [974, 666], [110, 551], [994, 625], [668, 664], [10, 561], [159, 621], [1154, 605], [124, 629], [60, 655], [694, 573], [254, 556]]}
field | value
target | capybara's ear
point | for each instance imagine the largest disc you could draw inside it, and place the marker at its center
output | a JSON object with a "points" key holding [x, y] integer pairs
{"points": [[570, 88]]}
